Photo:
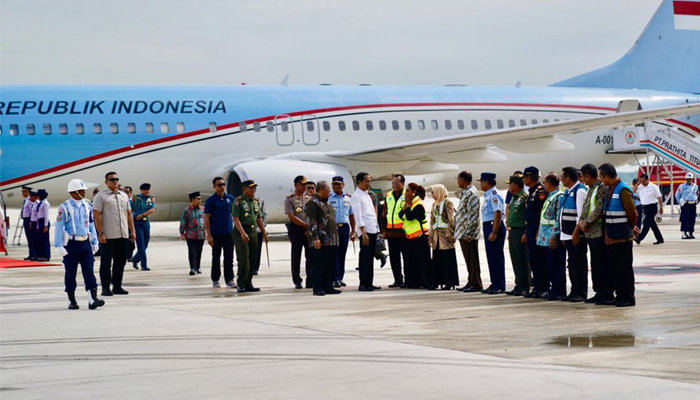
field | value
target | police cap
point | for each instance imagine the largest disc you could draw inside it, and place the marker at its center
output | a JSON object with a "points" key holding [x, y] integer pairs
{"points": [[26, 188], [249, 183], [515, 179], [145, 186], [300, 179], [531, 171], [487, 176], [337, 179]]}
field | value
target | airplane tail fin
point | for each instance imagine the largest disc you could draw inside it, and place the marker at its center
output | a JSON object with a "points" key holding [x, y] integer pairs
{"points": [[666, 56]]}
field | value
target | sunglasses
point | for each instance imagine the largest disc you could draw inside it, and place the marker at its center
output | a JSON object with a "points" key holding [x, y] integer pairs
{"points": [[220, 184], [113, 179]]}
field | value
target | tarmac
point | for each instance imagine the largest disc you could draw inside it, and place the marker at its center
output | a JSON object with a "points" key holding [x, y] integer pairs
{"points": [[176, 337]]}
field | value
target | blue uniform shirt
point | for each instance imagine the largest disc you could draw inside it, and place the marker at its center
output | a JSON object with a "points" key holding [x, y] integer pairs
{"points": [[220, 217], [75, 219], [141, 204], [492, 202], [687, 192], [342, 207]]}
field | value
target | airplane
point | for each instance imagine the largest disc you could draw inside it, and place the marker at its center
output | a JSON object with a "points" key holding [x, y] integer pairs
{"points": [[180, 138]]}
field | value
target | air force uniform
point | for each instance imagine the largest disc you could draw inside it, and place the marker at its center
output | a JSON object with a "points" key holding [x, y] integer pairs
{"points": [[26, 222], [687, 197], [493, 202], [343, 211]]}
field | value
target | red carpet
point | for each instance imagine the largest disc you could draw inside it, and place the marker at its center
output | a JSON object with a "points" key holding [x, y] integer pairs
{"points": [[14, 263]]}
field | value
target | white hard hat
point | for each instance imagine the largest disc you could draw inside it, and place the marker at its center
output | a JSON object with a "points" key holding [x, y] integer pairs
{"points": [[75, 185], [688, 176]]}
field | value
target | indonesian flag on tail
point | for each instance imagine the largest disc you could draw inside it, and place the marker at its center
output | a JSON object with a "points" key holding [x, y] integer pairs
{"points": [[686, 15]]}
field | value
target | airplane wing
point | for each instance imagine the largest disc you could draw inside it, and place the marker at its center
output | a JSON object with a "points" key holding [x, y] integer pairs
{"points": [[533, 138]]}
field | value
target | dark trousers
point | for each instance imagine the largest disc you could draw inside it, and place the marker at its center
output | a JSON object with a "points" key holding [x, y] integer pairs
{"points": [[578, 267], [418, 262], [28, 233], [640, 215], [620, 260], [79, 253], [600, 271], [323, 266], [397, 251], [342, 251], [113, 273], [42, 245], [689, 213], [194, 253], [444, 268], [470, 251], [495, 256], [299, 242], [650, 211], [258, 258], [143, 237], [520, 258], [222, 243], [556, 269], [366, 262], [537, 259], [245, 254]]}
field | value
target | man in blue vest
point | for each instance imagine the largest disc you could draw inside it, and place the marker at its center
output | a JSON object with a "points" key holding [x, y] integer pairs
{"points": [[573, 239], [687, 197], [619, 223]]}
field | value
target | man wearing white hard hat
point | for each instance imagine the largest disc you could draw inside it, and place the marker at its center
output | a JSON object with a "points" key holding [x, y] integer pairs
{"points": [[687, 197], [76, 240]]}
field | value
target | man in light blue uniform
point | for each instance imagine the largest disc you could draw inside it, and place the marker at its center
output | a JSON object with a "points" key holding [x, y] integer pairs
{"points": [[687, 197], [492, 212], [76, 240], [143, 205], [346, 226]]}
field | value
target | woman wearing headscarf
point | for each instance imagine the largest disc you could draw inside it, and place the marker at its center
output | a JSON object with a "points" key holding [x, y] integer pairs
{"points": [[442, 241], [417, 230]]}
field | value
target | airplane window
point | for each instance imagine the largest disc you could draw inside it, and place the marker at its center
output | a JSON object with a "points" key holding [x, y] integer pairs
{"points": [[421, 124], [475, 124], [511, 123], [448, 124], [382, 125], [487, 124], [164, 127], [114, 128], [395, 125], [310, 126], [434, 125], [47, 129], [355, 126], [212, 126], [556, 120], [499, 123], [544, 121], [97, 128], [523, 122], [408, 125], [270, 126], [14, 130], [534, 122], [180, 127], [149, 127], [460, 124], [79, 128], [256, 126], [341, 125], [131, 127], [63, 129], [30, 129], [326, 126], [370, 125], [284, 125]]}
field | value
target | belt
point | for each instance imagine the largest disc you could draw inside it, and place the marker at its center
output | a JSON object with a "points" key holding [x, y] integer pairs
{"points": [[691, 202], [488, 223], [341, 225], [79, 238]]}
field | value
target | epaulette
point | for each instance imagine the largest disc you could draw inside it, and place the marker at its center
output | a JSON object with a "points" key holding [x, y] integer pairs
{"points": [[290, 196]]}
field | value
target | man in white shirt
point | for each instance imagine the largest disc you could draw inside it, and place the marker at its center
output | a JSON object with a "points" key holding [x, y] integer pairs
{"points": [[652, 202], [366, 227]]}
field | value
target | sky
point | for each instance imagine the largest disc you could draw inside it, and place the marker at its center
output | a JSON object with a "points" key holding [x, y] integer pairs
{"points": [[378, 42]]}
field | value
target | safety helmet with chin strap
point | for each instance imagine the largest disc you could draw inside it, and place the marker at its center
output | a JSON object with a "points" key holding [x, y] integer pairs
{"points": [[75, 185]]}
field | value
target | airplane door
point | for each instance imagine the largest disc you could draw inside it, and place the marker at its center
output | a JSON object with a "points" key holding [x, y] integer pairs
{"points": [[284, 128], [311, 134]]}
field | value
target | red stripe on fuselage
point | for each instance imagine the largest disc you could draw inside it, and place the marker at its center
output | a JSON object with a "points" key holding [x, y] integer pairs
{"points": [[686, 8]]}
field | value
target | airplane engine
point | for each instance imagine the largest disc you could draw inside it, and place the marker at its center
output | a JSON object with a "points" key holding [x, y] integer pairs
{"points": [[275, 179]]}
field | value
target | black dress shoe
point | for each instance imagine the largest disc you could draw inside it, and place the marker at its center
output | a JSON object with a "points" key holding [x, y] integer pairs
{"points": [[240, 289], [521, 293], [145, 269], [331, 290], [192, 272], [27, 259], [471, 289], [106, 292], [199, 271], [529, 295], [625, 303], [342, 284], [396, 285], [486, 291], [605, 302], [309, 286], [135, 265], [364, 288], [511, 292], [297, 286], [432, 287], [592, 300], [567, 297], [73, 306], [536, 294], [376, 287], [496, 291], [252, 289], [553, 297], [119, 291], [577, 299], [659, 242], [336, 284], [319, 292]]}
